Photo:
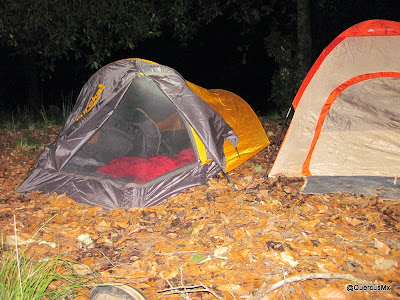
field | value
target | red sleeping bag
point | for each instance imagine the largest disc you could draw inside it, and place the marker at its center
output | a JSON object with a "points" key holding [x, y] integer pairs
{"points": [[145, 169]]}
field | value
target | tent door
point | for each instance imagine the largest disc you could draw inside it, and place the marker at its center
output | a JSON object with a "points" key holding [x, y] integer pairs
{"points": [[359, 135], [143, 139]]}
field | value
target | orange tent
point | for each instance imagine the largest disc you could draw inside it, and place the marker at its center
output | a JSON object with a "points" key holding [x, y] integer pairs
{"points": [[347, 110]]}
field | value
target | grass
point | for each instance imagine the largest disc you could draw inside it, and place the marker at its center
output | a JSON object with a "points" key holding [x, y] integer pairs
{"points": [[25, 122], [25, 117], [22, 278], [27, 142]]}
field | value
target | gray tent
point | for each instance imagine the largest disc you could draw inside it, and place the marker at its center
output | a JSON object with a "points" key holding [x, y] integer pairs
{"points": [[137, 135]]}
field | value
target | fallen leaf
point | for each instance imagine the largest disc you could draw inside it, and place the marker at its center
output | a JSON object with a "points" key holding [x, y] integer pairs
{"points": [[259, 169], [168, 274], [383, 249], [231, 288], [12, 240], [122, 239], [122, 224], [322, 208], [81, 297], [354, 222], [275, 246], [248, 178], [82, 269], [384, 264], [88, 261], [221, 252], [198, 228], [228, 287], [198, 257], [103, 226], [332, 293], [263, 193], [51, 244], [85, 239], [286, 258], [103, 240], [226, 219]]}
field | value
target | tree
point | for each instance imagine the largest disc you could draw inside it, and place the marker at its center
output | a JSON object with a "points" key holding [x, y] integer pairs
{"points": [[89, 32], [47, 31], [304, 39], [50, 30], [281, 44]]}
